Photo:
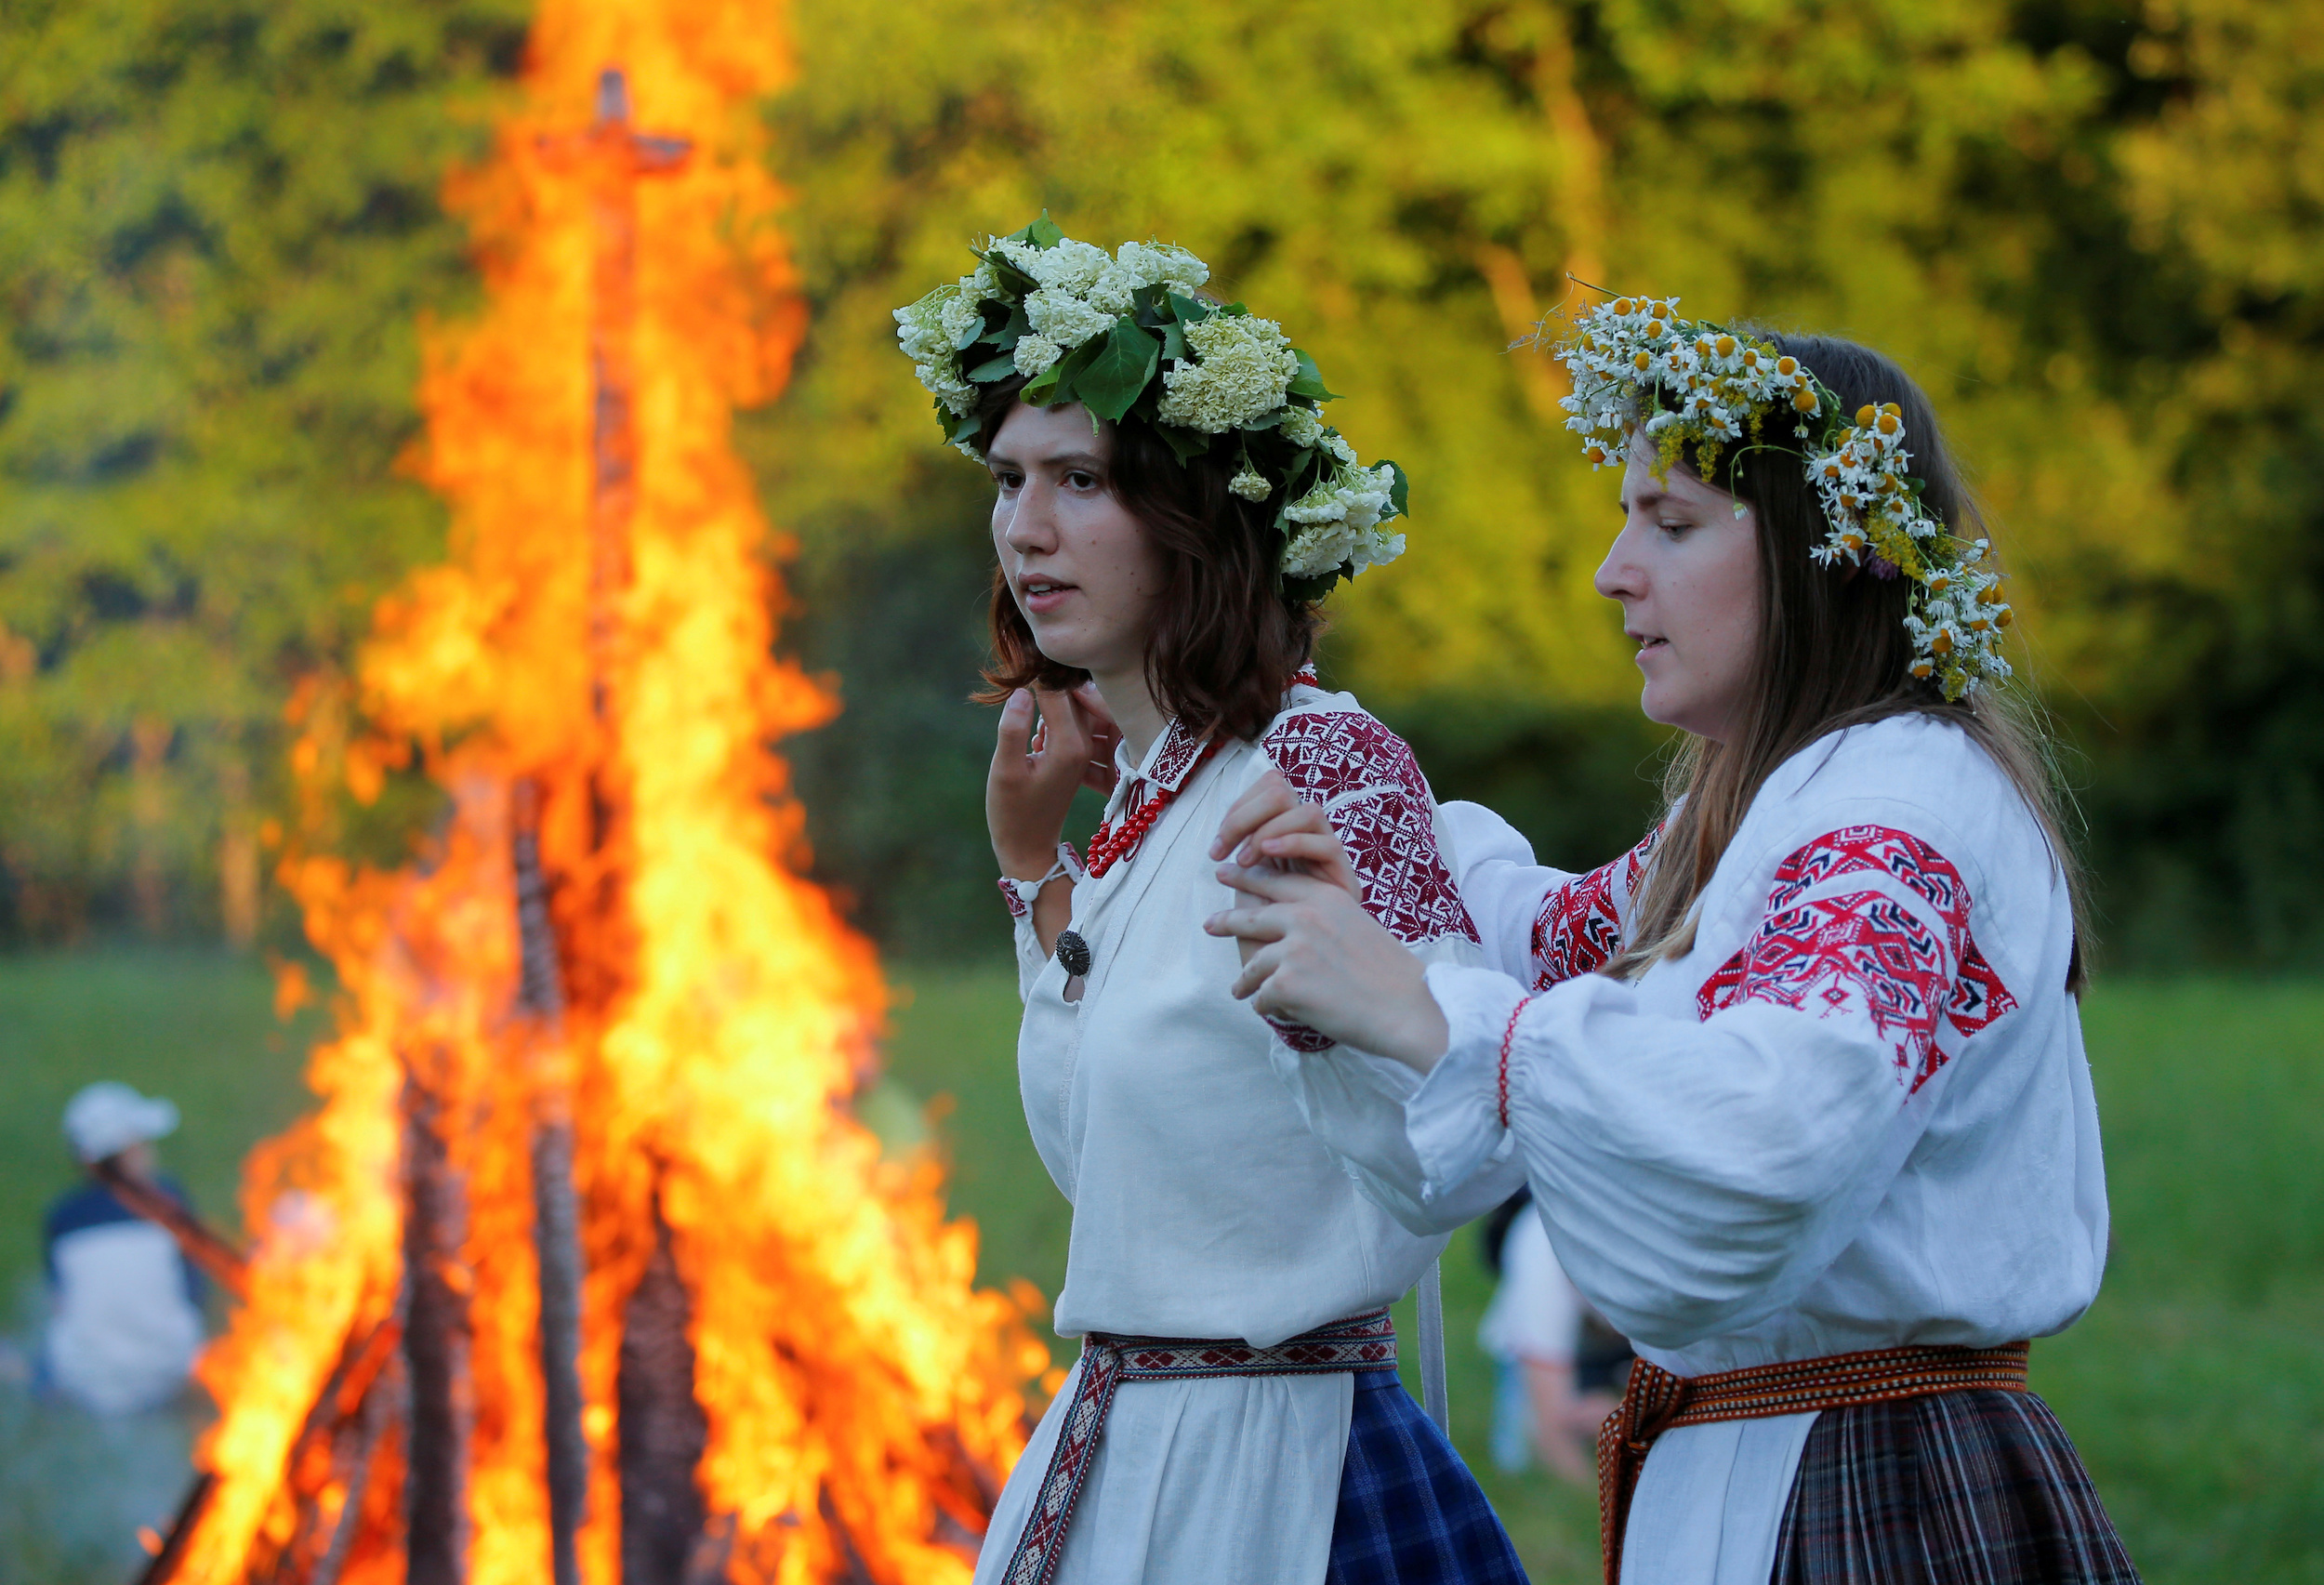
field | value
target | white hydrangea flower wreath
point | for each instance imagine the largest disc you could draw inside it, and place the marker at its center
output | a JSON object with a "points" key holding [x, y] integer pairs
{"points": [[1130, 335], [1685, 383]]}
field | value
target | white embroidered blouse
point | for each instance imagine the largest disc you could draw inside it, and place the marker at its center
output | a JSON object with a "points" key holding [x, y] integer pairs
{"points": [[1856, 1114], [1203, 1206]]}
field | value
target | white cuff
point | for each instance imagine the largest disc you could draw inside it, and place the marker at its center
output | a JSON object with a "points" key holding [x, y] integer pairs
{"points": [[1018, 894], [1453, 1119]]}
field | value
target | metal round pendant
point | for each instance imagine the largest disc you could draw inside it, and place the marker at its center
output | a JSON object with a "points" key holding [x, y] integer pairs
{"points": [[1073, 953]]}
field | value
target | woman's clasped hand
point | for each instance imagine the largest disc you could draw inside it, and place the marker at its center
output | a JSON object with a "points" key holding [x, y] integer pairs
{"points": [[1311, 953]]}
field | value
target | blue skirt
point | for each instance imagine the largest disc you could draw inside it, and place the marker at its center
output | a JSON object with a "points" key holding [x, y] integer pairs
{"points": [[1410, 1513]]}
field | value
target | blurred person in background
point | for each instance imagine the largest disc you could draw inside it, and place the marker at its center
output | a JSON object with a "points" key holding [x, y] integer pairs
{"points": [[1559, 1367], [125, 1305]]}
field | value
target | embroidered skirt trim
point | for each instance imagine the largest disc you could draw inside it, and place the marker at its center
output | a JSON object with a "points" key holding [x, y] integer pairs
{"points": [[1360, 1342], [1656, 1401]]}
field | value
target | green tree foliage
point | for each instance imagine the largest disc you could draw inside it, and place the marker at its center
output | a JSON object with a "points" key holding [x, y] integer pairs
{"points": [[2091, 230], [219, 231]]}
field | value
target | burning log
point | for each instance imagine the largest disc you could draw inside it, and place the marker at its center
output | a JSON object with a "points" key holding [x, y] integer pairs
{"points": [[163, 1566], [436, 1342], [380, 1413], [556, 1213], [663, 1428]]}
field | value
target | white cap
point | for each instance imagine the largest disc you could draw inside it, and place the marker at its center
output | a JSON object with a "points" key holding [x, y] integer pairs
{"points": [[106, 1118]]}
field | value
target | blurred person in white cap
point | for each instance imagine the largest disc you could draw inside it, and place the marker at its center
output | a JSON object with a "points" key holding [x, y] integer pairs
{"points": [[125, 1305]]}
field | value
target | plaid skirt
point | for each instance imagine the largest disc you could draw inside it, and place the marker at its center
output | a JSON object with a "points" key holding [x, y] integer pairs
{"points": [[1973, 1487], [1409, 1510]]}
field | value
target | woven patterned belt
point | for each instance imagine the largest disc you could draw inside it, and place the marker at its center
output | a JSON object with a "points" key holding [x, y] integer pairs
{"points": [[1657, 1401], [1360, 1342]]}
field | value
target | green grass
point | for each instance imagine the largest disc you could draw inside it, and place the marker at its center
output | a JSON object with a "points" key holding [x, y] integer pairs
{"points": [[2195, 1387]]}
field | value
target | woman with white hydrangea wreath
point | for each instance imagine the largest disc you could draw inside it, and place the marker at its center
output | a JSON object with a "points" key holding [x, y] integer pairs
{"points": [[1170, 508], [1798, 1083]]}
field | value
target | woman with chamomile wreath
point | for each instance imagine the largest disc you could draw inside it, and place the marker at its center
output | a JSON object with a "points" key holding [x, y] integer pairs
{"points": [[1799, 1082], [1169, 510]]}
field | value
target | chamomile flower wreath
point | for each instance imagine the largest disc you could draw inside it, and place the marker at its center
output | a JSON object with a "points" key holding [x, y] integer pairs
{"points": [[1690, 384], [1130, 335]]}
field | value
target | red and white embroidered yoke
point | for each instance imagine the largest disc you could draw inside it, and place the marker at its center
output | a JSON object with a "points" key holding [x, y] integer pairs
{"points": [[1856, 1114], [1202, 1205]]}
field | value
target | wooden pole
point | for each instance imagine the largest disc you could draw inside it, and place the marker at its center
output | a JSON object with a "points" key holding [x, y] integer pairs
{"points": [[436, 1344], [214, 1253], [556, 1208], [663, 1428]]}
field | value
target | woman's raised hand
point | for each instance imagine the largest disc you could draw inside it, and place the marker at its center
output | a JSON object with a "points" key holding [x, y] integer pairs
{"points": [[1037, 768], [1314, 956], [1270, 825]]}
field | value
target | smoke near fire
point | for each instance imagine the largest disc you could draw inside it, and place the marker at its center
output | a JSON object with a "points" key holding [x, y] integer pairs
{"points": [[583, 1269]]}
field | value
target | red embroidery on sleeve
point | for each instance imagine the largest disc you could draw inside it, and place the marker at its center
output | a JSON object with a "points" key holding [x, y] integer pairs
{"points": [[1390, 834], [1577, 931], [1508, 1035], [1017, 910], [1865, 952]]}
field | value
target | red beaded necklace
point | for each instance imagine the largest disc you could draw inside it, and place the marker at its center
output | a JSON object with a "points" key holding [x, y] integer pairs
{"points": [[1108, 845]]}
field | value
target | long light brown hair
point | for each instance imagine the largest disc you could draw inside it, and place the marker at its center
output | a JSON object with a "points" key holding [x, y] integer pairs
{"points": [[1833, 654]]}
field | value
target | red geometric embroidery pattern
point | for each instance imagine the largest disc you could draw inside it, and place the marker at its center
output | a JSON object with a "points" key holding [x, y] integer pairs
{"points": [[1361, 1342], [1578, 929], [1389, 832], [1181, 753], [1865, 951]]}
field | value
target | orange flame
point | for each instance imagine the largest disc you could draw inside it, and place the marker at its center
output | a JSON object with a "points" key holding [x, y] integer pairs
{"points": [[600, 636]]}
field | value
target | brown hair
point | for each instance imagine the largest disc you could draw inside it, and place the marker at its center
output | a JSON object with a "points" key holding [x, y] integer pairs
{"points": [[1833, 653], [1229, 640]]}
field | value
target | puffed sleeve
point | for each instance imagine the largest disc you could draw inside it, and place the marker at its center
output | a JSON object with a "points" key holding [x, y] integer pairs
{"points": [[1699, 1172], [1536, 925], [1379, 805]]}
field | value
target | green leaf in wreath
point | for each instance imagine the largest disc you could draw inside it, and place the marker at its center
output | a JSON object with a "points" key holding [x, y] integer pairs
{"points": [[1043, 232], [1173, 341], [994, 368], [1123, 365], [1190, 311], [1399, 489], [1041, 389], [1187, 443], [1012, 326], [1310, 382], [1310, 590]]}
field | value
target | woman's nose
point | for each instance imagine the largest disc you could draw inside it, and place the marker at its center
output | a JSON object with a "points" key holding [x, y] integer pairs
{"points": [[1619, 576], [1032, 520]]}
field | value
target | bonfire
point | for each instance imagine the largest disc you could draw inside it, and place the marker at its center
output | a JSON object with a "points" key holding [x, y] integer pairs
{"points": [[583, 1269]]}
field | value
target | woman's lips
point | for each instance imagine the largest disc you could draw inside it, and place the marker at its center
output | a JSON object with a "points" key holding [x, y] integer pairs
{"points": [[1041, 599]]}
